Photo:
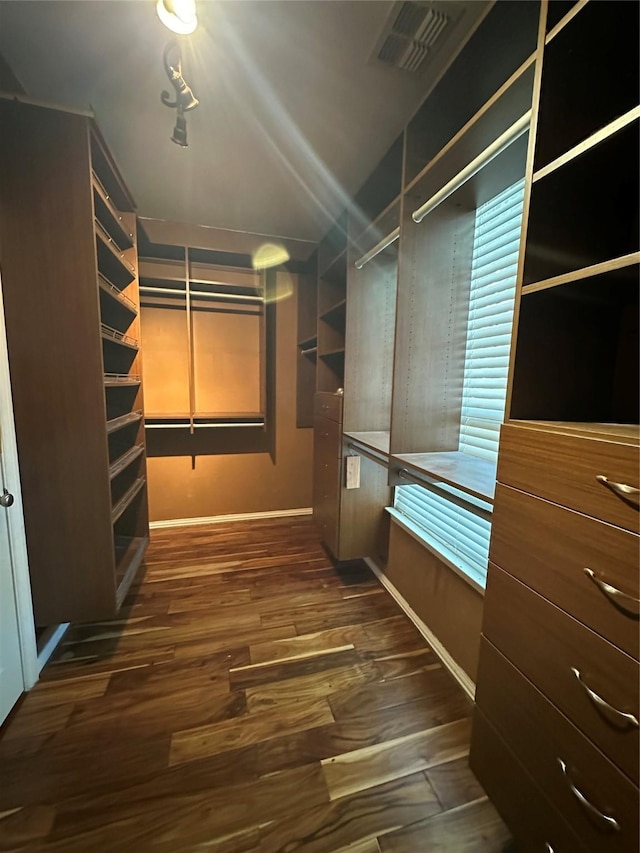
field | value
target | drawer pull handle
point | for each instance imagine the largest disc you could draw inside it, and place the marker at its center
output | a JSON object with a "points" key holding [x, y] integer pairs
{"points": [[626, 602], [548, 848], [609, 821], [598, 700], [628, 493]]}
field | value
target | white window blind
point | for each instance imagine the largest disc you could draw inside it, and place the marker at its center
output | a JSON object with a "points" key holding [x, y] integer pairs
{"points": [[491, 299], [459, 533]]}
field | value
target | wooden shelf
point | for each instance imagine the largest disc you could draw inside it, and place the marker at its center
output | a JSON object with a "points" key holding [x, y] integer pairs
{"points": [[335, 314], [559, 13], [470, 474], [117, 337], [333, 354], [109, 218], [112, 263], [133, 490], [123, 462], [586, 272], [376, 440], [117, 295], [312, 352], [121, 380], [335, 269], [308, 342], [123, 421]]}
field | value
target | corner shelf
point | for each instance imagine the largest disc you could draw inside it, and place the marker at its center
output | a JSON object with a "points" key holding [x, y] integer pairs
{"points": [[115, 336], [109, 218], [123, 421], [121, 380], [117, 295], [335, 315], [123, 461], [111, 262], [129, 552]]}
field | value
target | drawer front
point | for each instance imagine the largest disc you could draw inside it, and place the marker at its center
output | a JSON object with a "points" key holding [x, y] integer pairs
{"points": [[563, 468], [564, 764], [549, 547], [549, 647], [532, 819], [328, 405]]}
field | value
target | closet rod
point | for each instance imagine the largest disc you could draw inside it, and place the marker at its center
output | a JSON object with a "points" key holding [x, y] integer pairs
{"points": [[510, 135], [379, 247], [211, 425], [433, 486], [200, 293]]}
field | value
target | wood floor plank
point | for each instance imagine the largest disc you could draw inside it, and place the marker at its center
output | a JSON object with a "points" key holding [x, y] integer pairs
{"points": [[454, 783], [361, 817], [321, 684], [365, 768], [195, 743], [305, 645], [472, 828], [255, 674]]}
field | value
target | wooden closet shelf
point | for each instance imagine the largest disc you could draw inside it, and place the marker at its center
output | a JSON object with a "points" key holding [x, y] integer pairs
{"points": [[311, 352], [112, 264], [123, 462], [109, 218], [376, 440], [121, 380], [109, 243], [307, 343], [336, 313], [123, 421], [586, 272], [470, 474], [115, 336], [127, 498], [116, 294]]}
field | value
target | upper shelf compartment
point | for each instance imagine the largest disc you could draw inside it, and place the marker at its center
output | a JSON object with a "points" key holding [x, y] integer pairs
{"points": [[584, 89], [586, 212]]}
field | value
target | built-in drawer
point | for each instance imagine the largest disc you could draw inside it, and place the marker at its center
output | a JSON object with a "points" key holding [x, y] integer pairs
{"points": [[591, 681], [595, 798], [586, 567], [565, 468], [535, 824], [328, 405]]}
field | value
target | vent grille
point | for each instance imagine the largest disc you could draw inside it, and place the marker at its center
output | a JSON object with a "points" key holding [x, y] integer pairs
{"points": [[411, 35]]}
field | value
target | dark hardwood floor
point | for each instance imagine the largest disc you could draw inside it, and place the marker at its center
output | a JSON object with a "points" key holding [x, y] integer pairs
{"points": [[249, 698]]}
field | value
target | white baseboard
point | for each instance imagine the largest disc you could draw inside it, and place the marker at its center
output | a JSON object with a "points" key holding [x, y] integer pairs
{"points": [[222, 519], [456, 671], [52, 637]]}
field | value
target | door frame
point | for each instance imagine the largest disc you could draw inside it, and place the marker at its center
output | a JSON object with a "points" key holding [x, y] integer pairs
{"points": [[15, 516]]}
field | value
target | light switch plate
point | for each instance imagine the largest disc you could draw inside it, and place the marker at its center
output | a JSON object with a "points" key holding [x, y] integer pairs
{"points": [[353, 472]]}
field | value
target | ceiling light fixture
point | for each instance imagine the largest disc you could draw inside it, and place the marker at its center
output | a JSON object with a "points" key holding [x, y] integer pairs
{"points": [[178, 15], [185, 99]]}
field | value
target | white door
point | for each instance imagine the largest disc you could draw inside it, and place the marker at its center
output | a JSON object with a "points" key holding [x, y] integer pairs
{"points": [[11, 677], [18, 653]]}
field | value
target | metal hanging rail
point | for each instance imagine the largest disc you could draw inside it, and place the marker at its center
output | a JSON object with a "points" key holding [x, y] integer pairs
{"points": [[380, 246], [434, 486]]}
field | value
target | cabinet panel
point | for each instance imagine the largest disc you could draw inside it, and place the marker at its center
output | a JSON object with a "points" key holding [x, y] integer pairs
{"points": [[549, 547], [546, 742], [514, 615], [327, 438], [524, 807], [564, 468]]}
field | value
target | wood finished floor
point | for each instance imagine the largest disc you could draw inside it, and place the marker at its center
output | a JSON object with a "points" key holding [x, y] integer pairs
{"points": [[250, 699]]}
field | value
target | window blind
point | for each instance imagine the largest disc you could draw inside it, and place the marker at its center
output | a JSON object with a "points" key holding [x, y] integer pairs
{"points": [[458, 533], [491, 300]]}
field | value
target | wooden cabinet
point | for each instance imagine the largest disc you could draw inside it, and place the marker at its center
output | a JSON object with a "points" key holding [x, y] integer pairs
{"points": [[70, 289], [557, 690], [327, 466]]}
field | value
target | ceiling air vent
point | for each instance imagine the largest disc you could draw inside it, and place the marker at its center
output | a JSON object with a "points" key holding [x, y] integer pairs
{"points": [[413, 32]]}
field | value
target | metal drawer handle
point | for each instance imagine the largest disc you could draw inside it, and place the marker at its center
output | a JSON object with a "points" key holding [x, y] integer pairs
{"points": [[610, 822], [627, 602], [627, 493], [598, 700], [548, 848]]}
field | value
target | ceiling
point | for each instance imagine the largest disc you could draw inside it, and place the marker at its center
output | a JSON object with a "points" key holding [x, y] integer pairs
{"points": [[293, 113]]}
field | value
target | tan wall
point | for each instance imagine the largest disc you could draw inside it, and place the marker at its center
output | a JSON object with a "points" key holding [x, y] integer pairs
{"points": [[447, 604], [227, 483]]}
